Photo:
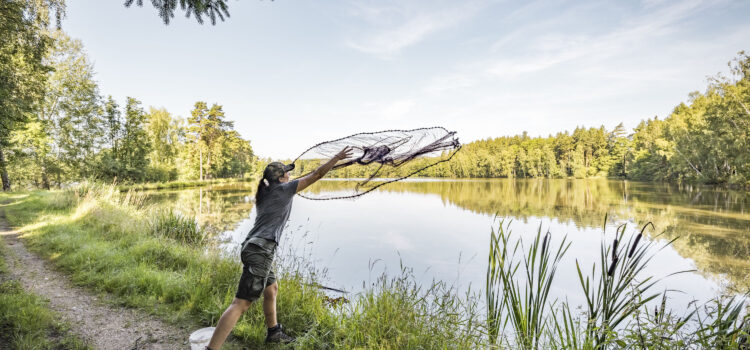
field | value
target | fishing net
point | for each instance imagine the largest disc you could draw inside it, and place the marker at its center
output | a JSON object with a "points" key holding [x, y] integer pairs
{"points": [[378, 158]]}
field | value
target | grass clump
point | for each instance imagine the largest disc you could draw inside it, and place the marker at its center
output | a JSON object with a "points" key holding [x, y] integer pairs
{"points": [[27, 323], [167, 223], [398, 313]]}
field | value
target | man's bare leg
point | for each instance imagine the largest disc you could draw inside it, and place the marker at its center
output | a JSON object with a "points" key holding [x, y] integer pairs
{"points": [[269, 304], [275, 332], [227, 321]]}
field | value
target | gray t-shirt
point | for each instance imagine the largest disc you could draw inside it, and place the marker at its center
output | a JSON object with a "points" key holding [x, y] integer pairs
{"points": [[273, 211]]}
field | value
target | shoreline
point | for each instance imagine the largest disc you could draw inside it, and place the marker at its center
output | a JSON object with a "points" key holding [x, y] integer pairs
{"points": [[107, 244]]}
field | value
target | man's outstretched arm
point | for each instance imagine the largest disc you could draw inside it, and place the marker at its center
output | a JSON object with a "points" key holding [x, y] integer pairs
{"points": [[322, 170]]}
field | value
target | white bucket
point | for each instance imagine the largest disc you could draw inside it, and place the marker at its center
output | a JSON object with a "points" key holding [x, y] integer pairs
{"points": [[200, 338]]}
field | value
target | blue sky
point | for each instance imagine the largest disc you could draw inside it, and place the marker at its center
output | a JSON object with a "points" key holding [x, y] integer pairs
{"points": [[295, 73]]}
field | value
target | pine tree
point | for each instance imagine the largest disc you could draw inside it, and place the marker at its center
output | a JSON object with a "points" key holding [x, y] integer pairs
{"points": [[206, 127], [213, 9], [135, 143]]}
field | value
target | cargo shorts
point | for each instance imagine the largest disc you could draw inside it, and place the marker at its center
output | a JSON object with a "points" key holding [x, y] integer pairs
{"points": [[257, 258]]}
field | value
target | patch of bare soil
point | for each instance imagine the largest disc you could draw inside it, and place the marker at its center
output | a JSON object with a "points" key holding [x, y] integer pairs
{"points": [[101, 325]]}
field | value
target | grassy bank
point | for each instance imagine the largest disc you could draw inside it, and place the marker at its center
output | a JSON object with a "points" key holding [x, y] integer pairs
{"points": [[161, 262], [180, 184], [109, 243], [26, 322]]}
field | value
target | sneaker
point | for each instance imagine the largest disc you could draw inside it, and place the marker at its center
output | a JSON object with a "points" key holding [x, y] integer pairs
{"points": [[278, 336]]}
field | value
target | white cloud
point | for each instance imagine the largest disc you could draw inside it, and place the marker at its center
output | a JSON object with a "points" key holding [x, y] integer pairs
{"points": [[397, 109], [538, 47], [389, 110], [396, 28], [549, 50], [443, 83]]}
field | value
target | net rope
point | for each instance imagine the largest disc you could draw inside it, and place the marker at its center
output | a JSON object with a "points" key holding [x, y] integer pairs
{"points": [[392, 148]]}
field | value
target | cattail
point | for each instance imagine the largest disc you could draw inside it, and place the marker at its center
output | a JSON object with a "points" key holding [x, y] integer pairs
{"points": [[635, 244], [611, 270], [544, 243], [614, 250]]}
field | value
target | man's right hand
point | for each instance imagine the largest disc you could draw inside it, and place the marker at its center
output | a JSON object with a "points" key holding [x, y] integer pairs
{"points": [[322, 170], [344, 153]]}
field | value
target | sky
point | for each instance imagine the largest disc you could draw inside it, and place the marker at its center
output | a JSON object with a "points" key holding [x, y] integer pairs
{"points": [[291, 74]]}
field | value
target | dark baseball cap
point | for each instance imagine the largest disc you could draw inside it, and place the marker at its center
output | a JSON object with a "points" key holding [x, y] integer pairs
{"points": [[275, 170]]}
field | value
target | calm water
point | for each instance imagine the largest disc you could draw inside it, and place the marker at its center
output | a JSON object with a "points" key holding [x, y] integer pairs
{"points": [[441, 228]]}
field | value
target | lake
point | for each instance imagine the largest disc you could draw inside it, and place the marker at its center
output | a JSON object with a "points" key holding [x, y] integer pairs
{"points": [[441, 229]]}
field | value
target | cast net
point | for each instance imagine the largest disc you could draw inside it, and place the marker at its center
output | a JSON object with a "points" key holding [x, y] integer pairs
{"points": [[378, 158]]}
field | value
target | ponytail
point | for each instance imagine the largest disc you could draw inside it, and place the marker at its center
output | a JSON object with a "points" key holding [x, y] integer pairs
{"points": [[264, 187]]}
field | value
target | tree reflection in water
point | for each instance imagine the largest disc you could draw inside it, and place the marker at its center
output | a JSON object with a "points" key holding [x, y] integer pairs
{"points": [[714, 224]]}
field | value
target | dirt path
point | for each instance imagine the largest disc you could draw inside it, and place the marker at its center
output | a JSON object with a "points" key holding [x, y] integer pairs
{"points": [[104, 326]]}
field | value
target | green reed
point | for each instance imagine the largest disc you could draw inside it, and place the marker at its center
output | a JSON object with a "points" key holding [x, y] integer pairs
{"points": [[616, 292], [522, 305], [724, 326], [613, 292]]}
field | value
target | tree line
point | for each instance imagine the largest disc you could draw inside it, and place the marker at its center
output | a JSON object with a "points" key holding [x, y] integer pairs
{"points": [[706, 140], [56, 127]]}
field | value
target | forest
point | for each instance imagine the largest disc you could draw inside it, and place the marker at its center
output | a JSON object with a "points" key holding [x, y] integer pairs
{"points": [[705, 140], [57, 128]]}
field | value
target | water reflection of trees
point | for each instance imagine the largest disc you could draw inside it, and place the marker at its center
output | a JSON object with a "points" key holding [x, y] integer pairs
{"points": [[714, 225], [217, 208]]}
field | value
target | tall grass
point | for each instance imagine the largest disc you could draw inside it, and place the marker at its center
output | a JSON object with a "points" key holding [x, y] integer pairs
{"points": [[522, 302], [167, 223], [613, 291], [26, 322], [416, 316], [723, 327], [616, 291]]}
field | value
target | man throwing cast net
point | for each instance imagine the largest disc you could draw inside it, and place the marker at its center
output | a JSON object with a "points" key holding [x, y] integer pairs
{"points": [[376, 154]]}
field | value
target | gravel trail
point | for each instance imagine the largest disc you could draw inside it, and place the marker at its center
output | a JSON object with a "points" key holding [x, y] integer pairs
{"points": [[103, 326]]}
